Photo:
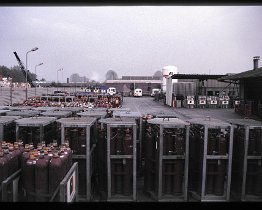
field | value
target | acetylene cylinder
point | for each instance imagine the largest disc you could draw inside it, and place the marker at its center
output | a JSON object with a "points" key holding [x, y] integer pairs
{"points": [[128, 142], [55, 172], [3, 166], [41, 178], [29, 178]]}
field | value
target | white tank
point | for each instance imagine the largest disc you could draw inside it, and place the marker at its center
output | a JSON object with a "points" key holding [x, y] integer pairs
{"points": [[167, 72]]}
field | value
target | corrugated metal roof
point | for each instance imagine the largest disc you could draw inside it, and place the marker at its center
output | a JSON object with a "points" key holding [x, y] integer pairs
{"points": [[244, 75], [133, 81], [197, 76]]}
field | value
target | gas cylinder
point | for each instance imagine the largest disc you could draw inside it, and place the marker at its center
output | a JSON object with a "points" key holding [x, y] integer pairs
{"points": [[258, 181], [113, 140], [211, 165], [221, 166], [69, 152], [74, 140], [41, 178], [128, 142], [55, 172], [18, 154], [11, 163], [119, 142], [3, 166], [149, 147], [82, 141], [29, 178], [64, 163], [127, 181]]}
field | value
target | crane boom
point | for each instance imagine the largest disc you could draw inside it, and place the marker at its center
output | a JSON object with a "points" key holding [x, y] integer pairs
{"points": [[24, 70]]}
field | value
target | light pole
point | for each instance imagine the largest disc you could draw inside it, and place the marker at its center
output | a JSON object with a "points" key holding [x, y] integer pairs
{"points": [[57, 78], [34, 49], [35, 75]]}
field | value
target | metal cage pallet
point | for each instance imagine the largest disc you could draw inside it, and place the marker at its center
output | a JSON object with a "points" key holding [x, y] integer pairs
{"points": [[166, 159], [211, 144], [79, 133], [120, 135], [247, 156]]}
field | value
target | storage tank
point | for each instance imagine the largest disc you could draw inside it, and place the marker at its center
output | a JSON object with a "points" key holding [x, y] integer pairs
{"points": [[168, 71]]}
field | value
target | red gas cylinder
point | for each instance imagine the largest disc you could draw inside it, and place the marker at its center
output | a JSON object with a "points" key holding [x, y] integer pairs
{"points": [[55, 172], [41, 178], [70, 153], [3, 166], [128, 142], [18, 154], [29, 177]]}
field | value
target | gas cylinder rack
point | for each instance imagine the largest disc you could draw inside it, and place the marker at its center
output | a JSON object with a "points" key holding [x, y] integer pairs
{"points": [[247, 157], [20, 108], [210, 159], [35, 130], [97, 113], [57, 113], [80, 133], [74, 110], [138, 118], [8, 128], [120, 172], [44, 108], [166, 159], [23, 113], [3, 112], [145, 118]]}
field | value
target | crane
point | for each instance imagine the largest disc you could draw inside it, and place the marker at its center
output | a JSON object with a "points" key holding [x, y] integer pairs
{"points": [[24, 70]]}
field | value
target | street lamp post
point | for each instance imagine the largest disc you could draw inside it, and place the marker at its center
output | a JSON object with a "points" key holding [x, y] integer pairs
{"points": [[57, 78], [35, 75], [34, 49]]}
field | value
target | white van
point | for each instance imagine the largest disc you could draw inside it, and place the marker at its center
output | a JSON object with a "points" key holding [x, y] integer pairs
{"points": [[154, 91], [138, 92], [111, 91]]}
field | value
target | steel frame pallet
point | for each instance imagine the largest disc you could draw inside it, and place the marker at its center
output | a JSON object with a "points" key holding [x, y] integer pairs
{"points": [[120, 123], [246, 125], [87, 123], [163, 124], [206, 124]]}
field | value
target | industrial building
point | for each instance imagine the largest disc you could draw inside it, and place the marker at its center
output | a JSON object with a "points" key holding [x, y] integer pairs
{"points": [[250, 85], [128, 83]]}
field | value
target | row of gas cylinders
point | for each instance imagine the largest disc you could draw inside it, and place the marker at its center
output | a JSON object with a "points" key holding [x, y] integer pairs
{"points": [[103, 101], [42, 168]]}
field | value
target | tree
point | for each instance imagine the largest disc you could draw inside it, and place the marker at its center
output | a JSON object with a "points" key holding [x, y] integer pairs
{"points": [[111, 75], [158, 74]]}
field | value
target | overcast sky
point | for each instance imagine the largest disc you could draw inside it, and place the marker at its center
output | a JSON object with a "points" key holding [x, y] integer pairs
{"points": [[131, 40]]}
